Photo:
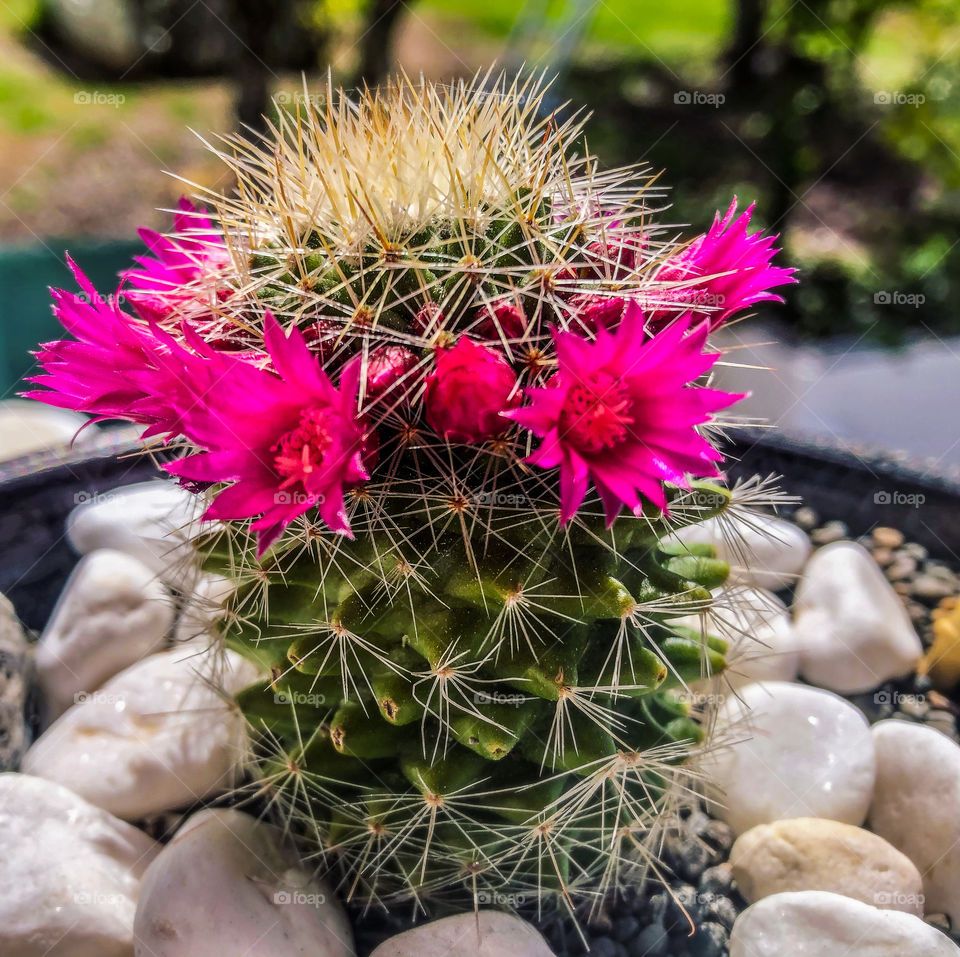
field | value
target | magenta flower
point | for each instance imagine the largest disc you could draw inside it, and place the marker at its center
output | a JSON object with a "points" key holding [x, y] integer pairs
{"points": [[735, 266], [622, 412], [288, 440], [116, 367], [162, 284], [470, 386]]}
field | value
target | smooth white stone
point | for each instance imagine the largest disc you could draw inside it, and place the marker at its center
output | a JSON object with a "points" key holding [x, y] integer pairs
{"points": [[70, 873], [225, 885], [156, 736], [113, 611], [852, 628], [819, 924], [916, 806], [816, 854], [763, 551], [201, 609], [153, 521], [757, 627], [793, 751], [28, 427], [486, 934]]}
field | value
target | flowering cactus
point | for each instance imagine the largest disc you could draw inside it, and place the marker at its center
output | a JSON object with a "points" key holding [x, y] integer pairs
{"points": [[446, 388]]}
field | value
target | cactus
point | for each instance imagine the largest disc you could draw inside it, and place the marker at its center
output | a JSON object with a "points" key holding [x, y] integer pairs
{"points": [[446, 386]]}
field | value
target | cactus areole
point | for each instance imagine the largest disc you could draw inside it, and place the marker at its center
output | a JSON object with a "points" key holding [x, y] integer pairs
{"points": [[446, 387]]}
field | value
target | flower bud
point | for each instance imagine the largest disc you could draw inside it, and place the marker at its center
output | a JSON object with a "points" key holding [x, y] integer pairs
{"points": [[595, 312], [386, 367], [469, 387], [501, 318]]}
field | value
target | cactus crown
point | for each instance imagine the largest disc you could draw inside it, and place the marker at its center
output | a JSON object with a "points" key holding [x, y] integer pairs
{"points": [[434, 354]]}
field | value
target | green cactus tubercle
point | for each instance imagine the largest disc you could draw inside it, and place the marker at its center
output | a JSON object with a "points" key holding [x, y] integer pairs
{"points": [[510, 716]]}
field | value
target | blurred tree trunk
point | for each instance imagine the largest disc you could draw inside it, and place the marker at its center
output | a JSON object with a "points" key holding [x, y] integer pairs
{"points": [[750, 16], [375, 44], [250, 25]]}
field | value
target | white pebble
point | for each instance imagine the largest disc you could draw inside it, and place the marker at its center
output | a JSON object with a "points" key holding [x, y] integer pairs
{"points": [[28, 428], [70, 873], [852, 628], [916, 806], [820, 924], [156, 736], [153, 521], [486, 934], [794, 751], [763, 551], [113, 611], [226, 884]]}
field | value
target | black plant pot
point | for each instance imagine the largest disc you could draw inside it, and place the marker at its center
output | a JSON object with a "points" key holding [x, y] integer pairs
{"points": [[862, 488]]}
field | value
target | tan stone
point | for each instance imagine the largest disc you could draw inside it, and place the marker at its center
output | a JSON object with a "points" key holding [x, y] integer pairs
{"points": [[816, 854]]}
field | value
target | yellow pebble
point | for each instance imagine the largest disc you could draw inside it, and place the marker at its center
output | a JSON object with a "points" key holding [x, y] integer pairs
{"points": [[942, 661]]}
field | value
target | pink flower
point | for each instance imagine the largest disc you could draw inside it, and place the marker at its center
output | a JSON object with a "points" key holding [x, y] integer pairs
{"points": [[621, 412], [735, 266], [198, 250], [116, 367], [469, 387], [288, 440]]}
